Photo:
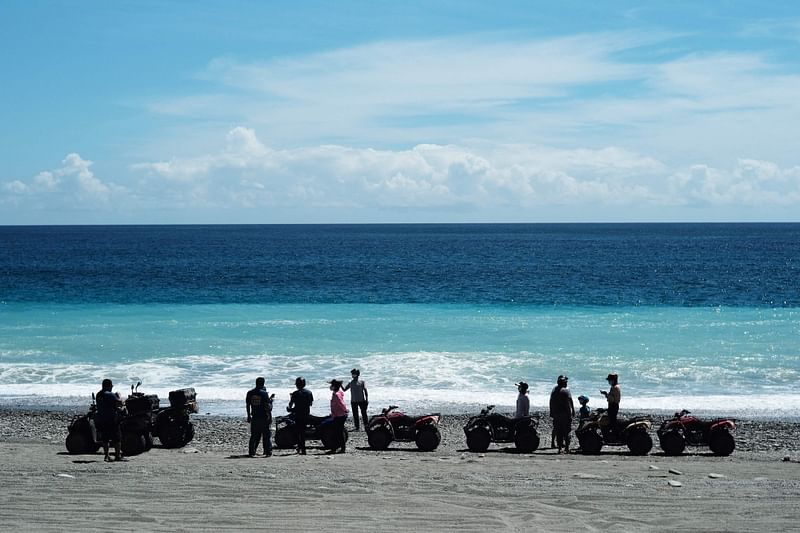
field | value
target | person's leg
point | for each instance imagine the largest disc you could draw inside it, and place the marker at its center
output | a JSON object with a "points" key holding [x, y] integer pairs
{"points": [[300, 427], [255, 435], [340, 432], [364, 414], [354, 406], [567, 431]]}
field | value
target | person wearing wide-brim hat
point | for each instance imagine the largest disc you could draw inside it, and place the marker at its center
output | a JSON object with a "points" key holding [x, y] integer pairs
{"points": [[339, 414], [523, 403], [613, 396]]}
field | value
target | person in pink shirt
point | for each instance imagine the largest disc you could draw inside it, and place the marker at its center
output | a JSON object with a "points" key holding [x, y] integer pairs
{"points": [[339, 414]]}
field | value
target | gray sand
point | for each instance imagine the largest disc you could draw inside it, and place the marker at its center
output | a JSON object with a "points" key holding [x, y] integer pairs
{"points": [[209, 485]]}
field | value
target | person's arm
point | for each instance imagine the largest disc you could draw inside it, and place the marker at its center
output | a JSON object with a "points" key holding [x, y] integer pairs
{"points": [[346, 386], [366, 393], [572, 405], [247, 406]]}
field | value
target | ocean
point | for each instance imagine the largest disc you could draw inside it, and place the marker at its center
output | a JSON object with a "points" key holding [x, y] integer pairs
{"points": [[437, 317]]}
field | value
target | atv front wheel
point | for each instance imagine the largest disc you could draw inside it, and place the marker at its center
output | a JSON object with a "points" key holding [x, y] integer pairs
{"points": [[379, 438], [329, 438], [721, 442], [591, 442], [285, 438], [640, 442], [672, 443], [478, 440], [526, 441], [428, 439]]}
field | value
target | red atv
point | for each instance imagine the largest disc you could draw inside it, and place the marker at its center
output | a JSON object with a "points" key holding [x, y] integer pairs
{"points": [[681, 430], [393, 425]]}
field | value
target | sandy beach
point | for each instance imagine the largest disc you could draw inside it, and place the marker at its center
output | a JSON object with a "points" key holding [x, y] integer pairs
{"points": [[212, 485]]}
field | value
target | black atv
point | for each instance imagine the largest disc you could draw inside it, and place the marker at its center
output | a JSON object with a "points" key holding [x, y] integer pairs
{"points": [[596, 431], [139, 421], [317, 428], [488, 427]]}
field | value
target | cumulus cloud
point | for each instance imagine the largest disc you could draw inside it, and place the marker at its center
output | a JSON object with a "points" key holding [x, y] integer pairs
{"points": [[246, 173], [73, 181]]}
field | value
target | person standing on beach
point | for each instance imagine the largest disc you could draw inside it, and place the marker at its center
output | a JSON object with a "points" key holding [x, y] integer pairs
{"points": [[614, 395], [523, 403], [359, 397], [106, 419], [562, 409], [300, 404], [339, 414], [259, 415]]}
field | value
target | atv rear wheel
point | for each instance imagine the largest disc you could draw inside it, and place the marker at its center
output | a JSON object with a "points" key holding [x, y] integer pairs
{"points": [[80, 443], [428, 439], [721, 442], [591, 442], [672, 443], [328, 437], [379, 438], [640, 442], [478, 440], [285, 438], [133, 444], [526, 441], [175, 435]]}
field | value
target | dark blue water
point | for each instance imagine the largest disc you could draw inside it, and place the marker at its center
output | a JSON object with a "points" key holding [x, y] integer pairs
{"points": [[537, 264]]}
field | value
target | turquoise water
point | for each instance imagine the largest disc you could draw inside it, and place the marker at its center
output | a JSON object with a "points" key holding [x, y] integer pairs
{"points": [[697, 316], [743, 359]]}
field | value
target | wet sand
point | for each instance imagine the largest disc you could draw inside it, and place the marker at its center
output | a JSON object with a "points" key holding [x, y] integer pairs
{"points": [[212, 485]]}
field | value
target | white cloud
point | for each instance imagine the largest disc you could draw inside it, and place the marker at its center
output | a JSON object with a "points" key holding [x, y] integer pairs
{"points": [[73, 182], [245, 173]]}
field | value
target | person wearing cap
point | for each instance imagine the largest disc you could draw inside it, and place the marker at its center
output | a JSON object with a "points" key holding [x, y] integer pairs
{"points": [[523, 403], [613, 396], [359, 397], [300, 405], [562, 410], [259, 414], [339, 414]]}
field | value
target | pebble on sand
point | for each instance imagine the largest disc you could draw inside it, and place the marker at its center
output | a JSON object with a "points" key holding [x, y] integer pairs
{"points": [[675, 471], [673, 483], [712, 475], [653, 467], [65, 475]]}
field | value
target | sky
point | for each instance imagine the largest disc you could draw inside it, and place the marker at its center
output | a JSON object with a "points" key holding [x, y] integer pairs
{"points": [[390, 112]]}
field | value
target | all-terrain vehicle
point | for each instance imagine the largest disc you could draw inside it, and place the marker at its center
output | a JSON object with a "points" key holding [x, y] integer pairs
{"points": [[489, 426], [317, 428], [681, 430], [393, 425], [139, 421], [596, 431]]}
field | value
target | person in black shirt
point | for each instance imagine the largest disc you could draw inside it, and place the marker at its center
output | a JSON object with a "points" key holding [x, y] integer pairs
{"points": [[106, 419], [259, 414], [300, 404]]}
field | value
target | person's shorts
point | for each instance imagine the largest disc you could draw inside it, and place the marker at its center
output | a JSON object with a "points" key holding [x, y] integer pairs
{"points": [[107, 430]]}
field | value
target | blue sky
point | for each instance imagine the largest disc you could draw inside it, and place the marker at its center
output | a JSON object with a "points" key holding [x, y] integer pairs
{"points": [[437, 111]]}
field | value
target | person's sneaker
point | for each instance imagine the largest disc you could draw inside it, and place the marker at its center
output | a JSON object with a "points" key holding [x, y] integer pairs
{"points": [[268, 454]]}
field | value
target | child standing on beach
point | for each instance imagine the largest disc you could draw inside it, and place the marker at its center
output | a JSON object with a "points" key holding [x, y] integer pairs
{"points": [[585, 410]]}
